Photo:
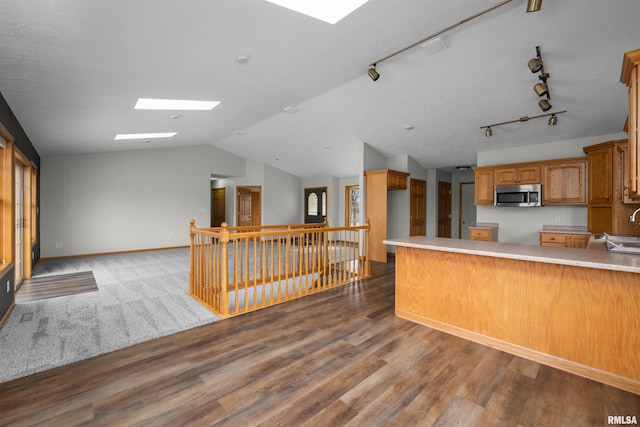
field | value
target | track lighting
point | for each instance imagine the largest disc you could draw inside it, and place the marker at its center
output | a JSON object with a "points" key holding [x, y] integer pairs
{"points": [[541, 89], [534, 5], [544, 105], [373, 73], [535, 64], [552, 121]]}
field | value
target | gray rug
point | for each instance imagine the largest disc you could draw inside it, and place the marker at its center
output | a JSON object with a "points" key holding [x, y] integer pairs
{"points": [[141, 296]]}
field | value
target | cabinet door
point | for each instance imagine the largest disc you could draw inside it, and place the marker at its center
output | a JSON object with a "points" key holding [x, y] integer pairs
{"points": [[601, 176], [505, 176], [484, 187], [529, 175], [578, 241], [564, 183]]}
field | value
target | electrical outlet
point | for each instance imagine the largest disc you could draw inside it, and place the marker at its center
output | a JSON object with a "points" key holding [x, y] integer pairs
{"points": [[58, 245], [557, 220]]}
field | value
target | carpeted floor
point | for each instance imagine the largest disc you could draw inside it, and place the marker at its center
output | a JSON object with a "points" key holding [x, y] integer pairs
{"points": [[141, 296]]}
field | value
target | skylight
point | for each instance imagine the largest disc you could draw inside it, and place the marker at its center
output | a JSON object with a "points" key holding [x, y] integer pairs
{"points": [[144, 135], [174, 104], [330, 11]]}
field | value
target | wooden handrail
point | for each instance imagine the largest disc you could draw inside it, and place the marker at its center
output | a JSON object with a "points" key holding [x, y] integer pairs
{"points": [[234, 271]]}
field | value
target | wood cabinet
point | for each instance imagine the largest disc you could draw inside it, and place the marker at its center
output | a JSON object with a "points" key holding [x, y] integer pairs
{"points": [[564, 240], [484, 186], [565, 182], [484, 234], [529, 174], [630, 76], [608, 209], [377, 184]]}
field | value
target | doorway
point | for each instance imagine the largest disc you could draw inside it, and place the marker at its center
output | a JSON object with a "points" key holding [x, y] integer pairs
{"points": [[444, 209], [315, 205], [249, 206], [467, 208], [218, 206], [418, 207]]}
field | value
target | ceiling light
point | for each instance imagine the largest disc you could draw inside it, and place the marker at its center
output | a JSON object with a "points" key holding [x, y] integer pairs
{"points": [[535, 64], [534, 5], [174, 104], [242, 59], [144, 135], [541, 89], [330, 11], [552, 121], [291, 109], [373, 73], [544, 105]]}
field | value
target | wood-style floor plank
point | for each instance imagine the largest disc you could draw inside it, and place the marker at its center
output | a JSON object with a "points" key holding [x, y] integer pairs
{"points": [[339, 357], [38, 288]]}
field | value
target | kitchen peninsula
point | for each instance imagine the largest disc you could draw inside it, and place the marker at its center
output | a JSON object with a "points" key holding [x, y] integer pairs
{"points": [[573, 309]]}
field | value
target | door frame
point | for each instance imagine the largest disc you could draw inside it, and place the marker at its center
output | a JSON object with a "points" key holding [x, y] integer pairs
{"points": [[29, 212]]}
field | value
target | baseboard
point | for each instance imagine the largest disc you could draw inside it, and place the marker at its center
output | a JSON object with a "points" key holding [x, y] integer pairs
{"points": [[6, 315], [608, 378], [115, 253]]}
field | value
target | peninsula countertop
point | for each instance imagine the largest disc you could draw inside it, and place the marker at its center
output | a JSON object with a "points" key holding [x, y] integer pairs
{"points": [[594, 257]]}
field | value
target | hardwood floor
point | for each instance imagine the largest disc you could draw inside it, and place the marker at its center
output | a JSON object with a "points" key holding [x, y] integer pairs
{"points": [[340, 357], [37, 288]]}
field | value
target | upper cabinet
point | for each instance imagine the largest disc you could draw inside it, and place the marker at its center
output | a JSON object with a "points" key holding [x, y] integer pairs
{"points": [[563, 180], [396, 180], [517, 175], [629, 76]]}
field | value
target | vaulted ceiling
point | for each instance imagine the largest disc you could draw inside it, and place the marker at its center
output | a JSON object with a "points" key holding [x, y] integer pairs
{"points": [[72, 70]]}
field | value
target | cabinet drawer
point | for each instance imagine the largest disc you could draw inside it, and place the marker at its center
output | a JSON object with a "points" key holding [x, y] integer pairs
{"points": [[480, 234], [553, 239]]}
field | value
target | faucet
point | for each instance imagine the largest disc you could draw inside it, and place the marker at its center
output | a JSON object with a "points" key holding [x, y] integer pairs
{"points": [[632, 218]]}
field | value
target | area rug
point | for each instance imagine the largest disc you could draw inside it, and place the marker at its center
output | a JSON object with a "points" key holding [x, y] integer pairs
{"points": [[141, 296]]}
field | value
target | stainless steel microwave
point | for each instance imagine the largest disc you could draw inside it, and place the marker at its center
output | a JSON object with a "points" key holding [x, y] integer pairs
{"points": [[526, 195]]}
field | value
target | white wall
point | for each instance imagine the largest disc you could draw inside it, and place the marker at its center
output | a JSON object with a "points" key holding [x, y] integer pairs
{"points": [[282, 198], [129, 200], [522, 225]]}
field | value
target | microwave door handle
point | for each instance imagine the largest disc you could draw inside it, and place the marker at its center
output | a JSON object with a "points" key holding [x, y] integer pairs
{"points": [[527, 197]]}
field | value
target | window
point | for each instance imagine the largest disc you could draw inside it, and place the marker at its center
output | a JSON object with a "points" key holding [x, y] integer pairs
{"points": [[6, 197], [352, 205]]}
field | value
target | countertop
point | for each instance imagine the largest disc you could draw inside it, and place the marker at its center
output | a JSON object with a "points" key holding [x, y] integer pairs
{"points": [[566, 229], [594, 257]]}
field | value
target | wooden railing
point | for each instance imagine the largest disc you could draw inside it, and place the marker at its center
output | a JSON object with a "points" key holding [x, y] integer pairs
{"points": [[239, 269]]}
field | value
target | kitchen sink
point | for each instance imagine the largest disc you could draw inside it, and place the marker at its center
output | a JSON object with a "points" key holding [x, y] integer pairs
{"points": [[622, 244]]}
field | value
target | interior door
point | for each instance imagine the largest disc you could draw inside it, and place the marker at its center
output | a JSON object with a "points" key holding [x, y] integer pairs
{"points": [[444, 209], [315, 205], [218, 206], [467, 208], [244, 206], [418, 207]]}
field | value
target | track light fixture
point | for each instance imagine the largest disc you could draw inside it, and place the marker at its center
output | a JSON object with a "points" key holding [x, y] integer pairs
{"points": [[541, 89], [532, 6], [373, 73], [544, 105], [552, 121]]}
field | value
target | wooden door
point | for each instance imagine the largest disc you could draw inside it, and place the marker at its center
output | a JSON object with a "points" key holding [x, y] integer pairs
{"points": [[444, 209], [244, 206], [418, 207], [315, 205], [218, 206], [256, 207]]}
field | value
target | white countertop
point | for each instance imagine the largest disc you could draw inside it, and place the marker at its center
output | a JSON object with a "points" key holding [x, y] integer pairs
{"points": [[594, 257]]}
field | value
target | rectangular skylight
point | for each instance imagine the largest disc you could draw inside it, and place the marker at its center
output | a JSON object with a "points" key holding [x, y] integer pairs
{"points": [[330, 11], [145, 135], [174, 104]]}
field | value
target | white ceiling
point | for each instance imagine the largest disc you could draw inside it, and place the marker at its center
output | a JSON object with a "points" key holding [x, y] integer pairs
{"points": [[72, 70]]}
